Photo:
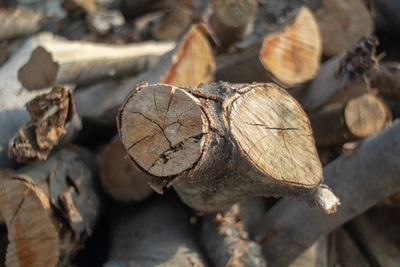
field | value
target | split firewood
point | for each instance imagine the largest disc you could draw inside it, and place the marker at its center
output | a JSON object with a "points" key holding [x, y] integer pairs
{"points": [[343, 251], [342, 23], [387, 80], [380, 248], [286, 57], [231, 21], [120, 179], [53, 121], [49, 208], [343, 77], [18, 22], [225, 235], [80, 6], [316, 255], [189, 64], [366, 177], [77, 62], [222, 142], [155, 234], [359, 118]]}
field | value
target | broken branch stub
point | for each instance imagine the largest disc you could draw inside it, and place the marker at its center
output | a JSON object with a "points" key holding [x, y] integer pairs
{"points": [[222, 142]]}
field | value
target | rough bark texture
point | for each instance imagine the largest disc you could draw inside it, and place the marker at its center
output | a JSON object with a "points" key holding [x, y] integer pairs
{"points": [[367, 176], [78, 62], [285, 57], [53, 121], [155, 234], [49, 209], [342, 23], [225, 236], [120, 179], [222, 142], [342, 77], [360, 117], [18, 22], [189, 64]]}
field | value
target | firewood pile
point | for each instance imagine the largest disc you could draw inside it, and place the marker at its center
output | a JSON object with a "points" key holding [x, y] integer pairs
{"points": [[199, 133]]}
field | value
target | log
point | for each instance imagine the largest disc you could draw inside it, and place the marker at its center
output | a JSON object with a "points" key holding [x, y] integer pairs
{"points": [[53, 121], [231, 21], [16, 23], [342, 77], [360, 117], [342, 23], [78, 62], [155, 234], [222, 142], [285, 57], [361, 180], [343, 251], [387, 80], [49, 208], [189, 64], [225, 236], [316, 255], [80, 6], [121, 180], [140, 7]]}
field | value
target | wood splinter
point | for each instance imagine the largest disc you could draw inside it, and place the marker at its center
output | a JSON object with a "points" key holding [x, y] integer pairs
{"points": [[222, 142]]}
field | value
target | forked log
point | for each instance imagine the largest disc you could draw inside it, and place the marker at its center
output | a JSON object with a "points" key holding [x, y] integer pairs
{"points": [[360, 117], [155, 234], [342, 23], [286, 57], [18, 22], [49, 209], [225, 235], [367, 176], [343, 77], [53, 121], [77, 62], [222, 142], [189, 64], [120, 179]]}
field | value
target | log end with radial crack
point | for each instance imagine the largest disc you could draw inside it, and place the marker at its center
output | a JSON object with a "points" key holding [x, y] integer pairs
{"points": [[221, 142], [121, 179], [49, 208], [52, 116], [293, 56]]}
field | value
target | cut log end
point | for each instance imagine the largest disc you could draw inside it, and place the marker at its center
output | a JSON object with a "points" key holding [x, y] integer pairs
{"points": [[325, 200], [164, 129], [293, 56], [270, 133]]}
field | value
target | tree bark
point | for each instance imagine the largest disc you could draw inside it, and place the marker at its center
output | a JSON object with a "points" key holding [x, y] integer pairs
{"points": [[18, 22], [189, 64], [49, 209], [225, 237], [285, 57], [367, 176], [342, 77], [222, 142], [155, 234], [120, 179], [53, 121], [78, 62], [360, 117]]}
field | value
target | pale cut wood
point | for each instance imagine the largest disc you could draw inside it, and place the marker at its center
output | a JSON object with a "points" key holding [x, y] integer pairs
{"points": [[189, 64], [120, 179], [360, 117], [49, 209], [343, 77], [342, 23], [18, 22], [361, 180], [343, 251], [53, 121], [155, 234], [290, 57], [225, 235], [78, 62], [222, 142]]}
